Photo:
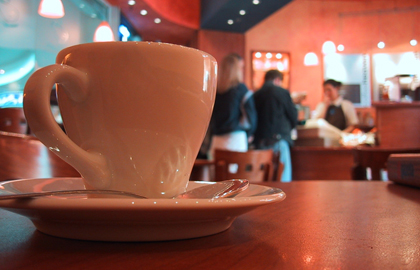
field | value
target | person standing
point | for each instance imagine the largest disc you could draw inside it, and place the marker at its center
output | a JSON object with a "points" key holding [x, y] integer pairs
{"points": [[336, 110], [234, 117], [277, 116]]}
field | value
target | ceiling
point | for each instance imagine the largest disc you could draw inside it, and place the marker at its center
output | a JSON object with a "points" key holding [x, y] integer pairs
{"points": [[180, 19]]}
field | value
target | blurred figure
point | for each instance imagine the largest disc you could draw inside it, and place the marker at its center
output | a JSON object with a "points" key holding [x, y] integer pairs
{"points": [[277, 116], [336, 110], [234, 117]]}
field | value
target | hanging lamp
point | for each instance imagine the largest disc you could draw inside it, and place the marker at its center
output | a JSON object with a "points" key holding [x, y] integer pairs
{"points": [[103, 33], [52, 9]]}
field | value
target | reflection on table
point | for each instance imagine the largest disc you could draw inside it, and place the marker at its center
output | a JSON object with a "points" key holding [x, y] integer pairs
{"points": [[320, 225]]}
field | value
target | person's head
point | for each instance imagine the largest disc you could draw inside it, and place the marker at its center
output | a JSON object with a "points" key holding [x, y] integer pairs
{"points": [[331, 89], [230, 72], [274, 76]]}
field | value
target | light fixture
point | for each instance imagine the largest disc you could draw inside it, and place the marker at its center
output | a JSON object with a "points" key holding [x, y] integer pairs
{"points": [[131, 2], [242, 12], [230, 22], [311, 59], [381, 44], [340, 47], [255, 2], [328, 47], [125, 33], [52, 9], [258, 55], [143, 12], [158, 20], [103, 33], [413, 42], [279, 55], [269, 55]]}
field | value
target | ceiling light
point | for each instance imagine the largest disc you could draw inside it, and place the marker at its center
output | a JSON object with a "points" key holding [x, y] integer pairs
{"points": [[157, 20], [143, 12], [413, 42], [279, 56], [230, 21], [268, 55], [2, 71], [258, 54], [255, 2], [381, 45], [340, 47], [131, 2], [242, 12], [52, 9]]}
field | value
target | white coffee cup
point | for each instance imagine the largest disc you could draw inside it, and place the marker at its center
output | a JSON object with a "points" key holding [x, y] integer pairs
{"points": [[135, 113]]}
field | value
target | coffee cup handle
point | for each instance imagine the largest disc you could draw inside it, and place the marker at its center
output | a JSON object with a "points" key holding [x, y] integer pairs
{"points": [[36, 103]]}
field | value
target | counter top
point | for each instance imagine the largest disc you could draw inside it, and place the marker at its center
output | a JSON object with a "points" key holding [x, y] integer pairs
{"points": [[394, 104]]}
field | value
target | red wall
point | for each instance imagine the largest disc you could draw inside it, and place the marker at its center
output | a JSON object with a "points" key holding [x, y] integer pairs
{"points": [[219, 44], [304, 25]]}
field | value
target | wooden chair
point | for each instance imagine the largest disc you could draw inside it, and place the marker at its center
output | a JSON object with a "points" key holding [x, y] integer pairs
{"points": [[23, 156], [13, 120], [374, 158], [254, 165]]}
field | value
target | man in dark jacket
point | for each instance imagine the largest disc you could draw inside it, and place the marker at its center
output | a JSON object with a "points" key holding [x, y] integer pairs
{"points": [[277, 116]]}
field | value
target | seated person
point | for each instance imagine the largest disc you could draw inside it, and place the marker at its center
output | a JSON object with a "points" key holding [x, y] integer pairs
{"points": [[336, 110]]}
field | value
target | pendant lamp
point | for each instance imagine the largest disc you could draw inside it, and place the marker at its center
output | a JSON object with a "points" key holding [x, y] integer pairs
{"points": [[52, 9], [103, 33]]}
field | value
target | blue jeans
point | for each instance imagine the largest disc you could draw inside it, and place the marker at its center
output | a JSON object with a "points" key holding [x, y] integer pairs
{"points": [[283, 148]]}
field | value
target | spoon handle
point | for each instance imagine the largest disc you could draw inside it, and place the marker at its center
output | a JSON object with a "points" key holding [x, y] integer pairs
{"points": [[68, 192]]}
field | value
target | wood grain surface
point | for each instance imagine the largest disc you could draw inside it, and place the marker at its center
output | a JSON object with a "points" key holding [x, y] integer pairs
{"points": [[320, 225]]}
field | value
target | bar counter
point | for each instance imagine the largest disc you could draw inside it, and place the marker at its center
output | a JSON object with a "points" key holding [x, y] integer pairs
{"points": [[320, 225]]}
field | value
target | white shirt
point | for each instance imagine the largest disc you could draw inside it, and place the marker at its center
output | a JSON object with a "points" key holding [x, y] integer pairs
{"points": [[348, 110]]}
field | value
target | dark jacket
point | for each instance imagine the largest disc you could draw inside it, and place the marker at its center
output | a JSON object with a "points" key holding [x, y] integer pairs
{"points": [[234, 110], [277, 114]]}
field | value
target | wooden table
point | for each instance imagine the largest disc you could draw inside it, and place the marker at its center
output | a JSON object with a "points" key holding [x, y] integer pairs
{"points": [[320, 225]]}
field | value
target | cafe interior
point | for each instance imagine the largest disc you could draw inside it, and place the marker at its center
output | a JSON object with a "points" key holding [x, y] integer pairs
{"points": [[354, 197]]}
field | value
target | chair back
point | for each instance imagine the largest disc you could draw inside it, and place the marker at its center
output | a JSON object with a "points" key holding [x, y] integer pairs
{"points": [[13, 120], [253, 165], [24, 156]]}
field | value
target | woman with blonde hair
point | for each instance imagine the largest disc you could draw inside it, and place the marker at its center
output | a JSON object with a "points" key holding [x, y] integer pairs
{"points": [[234, 116]]}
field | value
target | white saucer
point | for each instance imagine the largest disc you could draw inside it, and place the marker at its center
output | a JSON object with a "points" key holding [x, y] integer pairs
{"points": [[128, 219]]}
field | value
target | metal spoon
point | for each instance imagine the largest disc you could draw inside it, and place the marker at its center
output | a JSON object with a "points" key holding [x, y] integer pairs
{"points": [[223, 189]]}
